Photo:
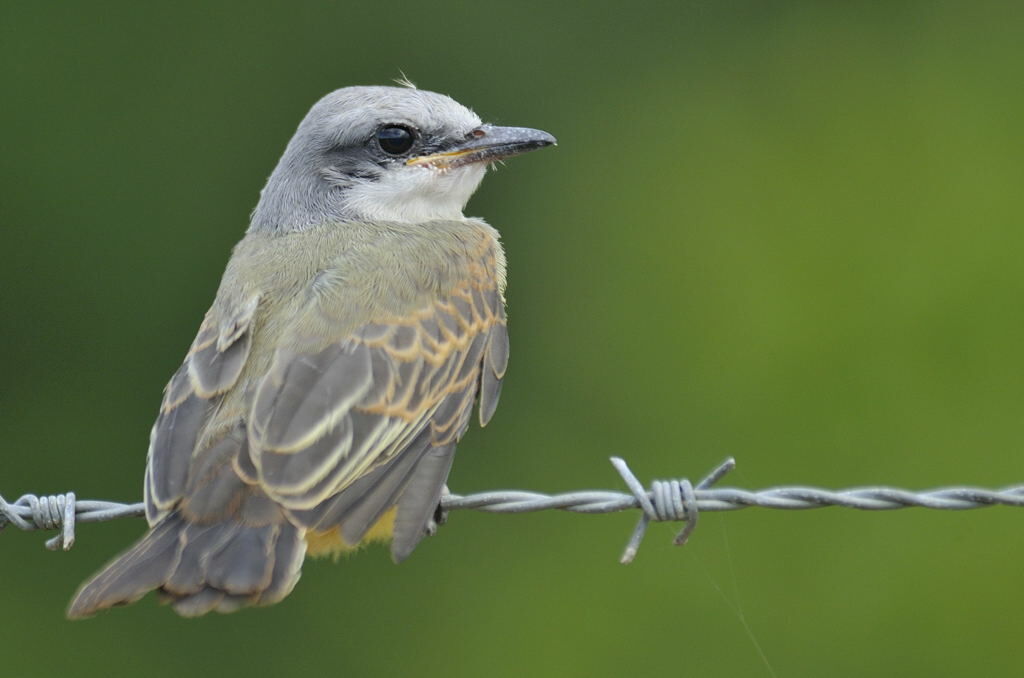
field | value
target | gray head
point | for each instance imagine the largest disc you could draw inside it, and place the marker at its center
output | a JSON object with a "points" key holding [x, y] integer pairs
{"points": [[384, 154]]}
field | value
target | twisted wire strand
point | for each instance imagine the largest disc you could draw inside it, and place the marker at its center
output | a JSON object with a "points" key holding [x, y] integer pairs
{"points": [[675, 500]]}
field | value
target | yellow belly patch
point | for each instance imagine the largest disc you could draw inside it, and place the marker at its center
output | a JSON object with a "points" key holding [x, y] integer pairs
{"points": [[331, 543]]}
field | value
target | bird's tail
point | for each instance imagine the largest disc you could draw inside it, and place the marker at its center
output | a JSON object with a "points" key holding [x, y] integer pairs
{"points": [[199, 568]]}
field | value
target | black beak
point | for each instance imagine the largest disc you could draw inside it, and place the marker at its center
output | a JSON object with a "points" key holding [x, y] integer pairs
{"points": [[487, 143]]}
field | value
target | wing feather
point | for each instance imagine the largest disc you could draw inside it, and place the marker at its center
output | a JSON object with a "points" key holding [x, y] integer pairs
{"points": [[212, 366], [305, 396], [404, 387], [419, 500]]}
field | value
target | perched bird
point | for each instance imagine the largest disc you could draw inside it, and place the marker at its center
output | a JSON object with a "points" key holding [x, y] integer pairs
{"points": [[358, 321]]}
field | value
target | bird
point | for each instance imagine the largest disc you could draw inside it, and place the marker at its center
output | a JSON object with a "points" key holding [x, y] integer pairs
{"points": [[359, 324]]}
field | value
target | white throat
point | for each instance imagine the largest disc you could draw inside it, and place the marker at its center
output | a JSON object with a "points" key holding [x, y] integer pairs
{"points": [[414, 194]]}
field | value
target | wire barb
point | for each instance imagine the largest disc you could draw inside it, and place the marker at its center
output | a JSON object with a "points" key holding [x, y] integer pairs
{"points": [[63, 512], [47, 513], [666, 500]]}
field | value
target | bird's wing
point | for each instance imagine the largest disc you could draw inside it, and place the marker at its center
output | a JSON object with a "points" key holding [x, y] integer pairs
{"points": [[211, 368], [378, 411]]}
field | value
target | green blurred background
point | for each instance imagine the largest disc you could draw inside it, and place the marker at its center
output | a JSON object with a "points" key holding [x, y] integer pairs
{"points": [[784, 231]]}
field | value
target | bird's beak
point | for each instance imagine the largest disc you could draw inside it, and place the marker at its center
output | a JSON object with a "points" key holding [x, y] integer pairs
{"points": [[487, 143]]}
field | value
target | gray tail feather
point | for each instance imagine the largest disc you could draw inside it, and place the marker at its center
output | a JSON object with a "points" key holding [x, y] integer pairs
{"points": [[199, 568]]}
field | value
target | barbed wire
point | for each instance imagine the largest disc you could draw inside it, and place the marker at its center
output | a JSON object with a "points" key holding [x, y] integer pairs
{"points": [[666, 500]]}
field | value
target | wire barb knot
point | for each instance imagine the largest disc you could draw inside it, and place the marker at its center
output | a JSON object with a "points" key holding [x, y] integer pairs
{"points": [[51, 512], [674, 500]]}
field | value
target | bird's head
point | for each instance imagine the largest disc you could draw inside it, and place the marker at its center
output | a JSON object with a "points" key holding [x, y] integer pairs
{"points": [[384, 154]]}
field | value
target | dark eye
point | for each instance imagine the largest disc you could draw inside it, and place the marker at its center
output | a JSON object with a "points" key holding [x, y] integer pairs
{"points": [[395, 140]]}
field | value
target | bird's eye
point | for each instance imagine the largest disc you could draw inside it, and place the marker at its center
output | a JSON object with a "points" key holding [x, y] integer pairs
{"points": [[395, 139]]}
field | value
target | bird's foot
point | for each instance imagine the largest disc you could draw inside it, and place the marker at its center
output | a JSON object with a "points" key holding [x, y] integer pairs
{"points": [[440, 516]]}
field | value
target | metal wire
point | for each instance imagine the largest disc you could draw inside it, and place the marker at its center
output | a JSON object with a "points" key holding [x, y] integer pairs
{"points": [[666, 500]]}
